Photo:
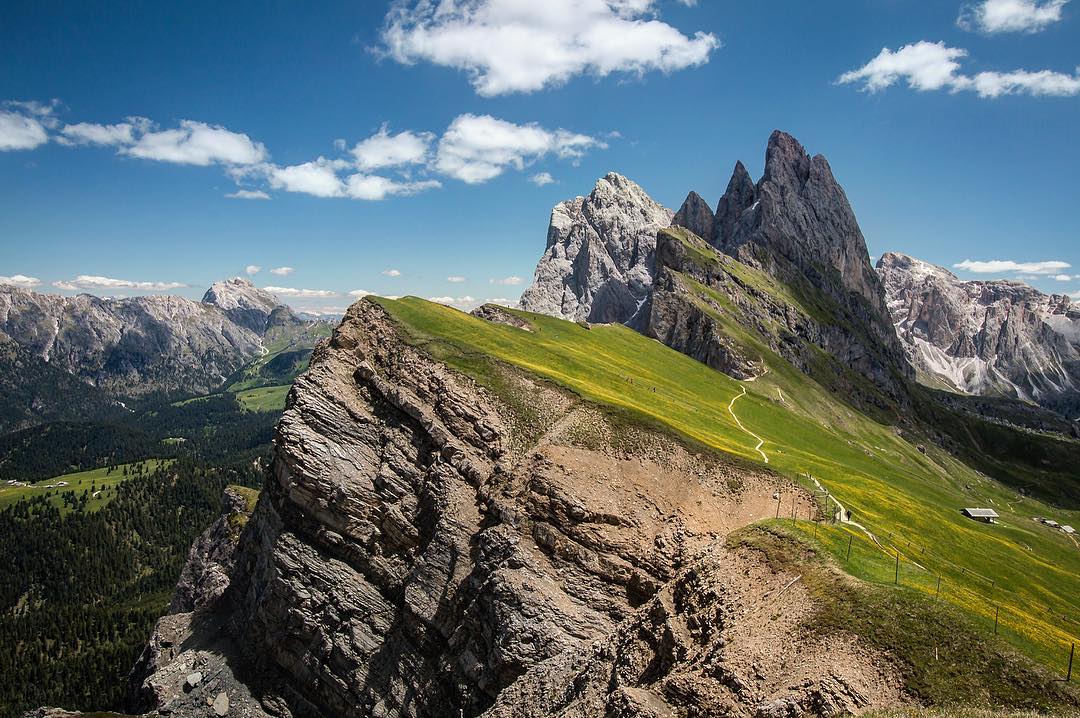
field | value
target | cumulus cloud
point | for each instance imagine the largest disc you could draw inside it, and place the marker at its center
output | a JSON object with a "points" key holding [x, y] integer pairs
{"points": [[507, 281], [89, 133], [301, 293], [994, 16], [455, 279], [511, 46], [21, 130], [252, 269], [321, 178], [360, 293], [391, 273], [385, 150], [1063, 277], [463, 303], [282, 271], [927, 66], [91, 282], [248, 194], [1075, 295], [20, 280], [477, 148], [541, 179], [198, 143], [1004, 266]]}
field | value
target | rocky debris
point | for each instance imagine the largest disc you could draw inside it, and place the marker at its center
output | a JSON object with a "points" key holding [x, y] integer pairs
{"points": [[1000, 338], [220, 706], [192, 680], [210, 560], [720, 639], [499, 315], [598, 264]]}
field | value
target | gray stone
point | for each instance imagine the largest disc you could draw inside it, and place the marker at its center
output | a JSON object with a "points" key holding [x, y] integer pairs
{"points": [[599, 261], [220, 705]]}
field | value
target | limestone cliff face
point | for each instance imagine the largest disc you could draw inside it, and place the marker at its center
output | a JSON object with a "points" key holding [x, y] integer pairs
{"points": [[422, 549], [797, 227], [984, 337], [598, 264]]}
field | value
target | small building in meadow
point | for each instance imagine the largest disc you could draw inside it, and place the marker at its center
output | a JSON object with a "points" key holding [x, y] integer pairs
{"points": [[987, 516]]}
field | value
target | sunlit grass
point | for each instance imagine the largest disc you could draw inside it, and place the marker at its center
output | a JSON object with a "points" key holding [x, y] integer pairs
{"points": [[890, 485]]}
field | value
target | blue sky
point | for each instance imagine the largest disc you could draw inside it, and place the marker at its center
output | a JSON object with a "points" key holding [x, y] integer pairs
{"points": [[951, 125]]}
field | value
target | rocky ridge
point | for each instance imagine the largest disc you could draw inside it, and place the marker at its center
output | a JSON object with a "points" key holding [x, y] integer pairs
{"points": [[132, 348], [420, 550], [998, 338], [599, 261]]}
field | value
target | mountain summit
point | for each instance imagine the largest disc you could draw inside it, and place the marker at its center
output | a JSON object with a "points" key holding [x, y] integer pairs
{"points": [[244, 303], [599, 260]]}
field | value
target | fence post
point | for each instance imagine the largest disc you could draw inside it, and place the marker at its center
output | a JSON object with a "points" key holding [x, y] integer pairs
{"points": [[997, 609], [897, 579], [779, 498], [938, 594], [1072, 650], [849, 538]]}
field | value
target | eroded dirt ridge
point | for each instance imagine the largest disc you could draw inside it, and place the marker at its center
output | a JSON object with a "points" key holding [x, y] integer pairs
{"points": [[421, 549]]}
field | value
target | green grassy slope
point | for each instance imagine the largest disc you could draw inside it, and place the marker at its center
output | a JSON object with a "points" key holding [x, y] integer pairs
{"points": [[99, 483], [891, 486]]}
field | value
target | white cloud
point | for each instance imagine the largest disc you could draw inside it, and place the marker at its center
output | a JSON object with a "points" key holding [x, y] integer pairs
{"points": [[197, 143], [1075, 295], [477, 148], [542, 178], [282, 271], [523, 45], [20, 280], [301, 293], [507, 281], [87, 281], [1003, 266], [252, 269], [19, 131], [455, 279], [385, 150], [318, 177], [88, 133], [503, 301], [464, 303], [360, 293], [391, 272], [926, 66], [374, 187], [992, 16], [1063, 277], [248, 194]]}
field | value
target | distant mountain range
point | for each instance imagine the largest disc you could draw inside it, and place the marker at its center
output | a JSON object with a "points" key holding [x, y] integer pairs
{"points": [[86, 356]]}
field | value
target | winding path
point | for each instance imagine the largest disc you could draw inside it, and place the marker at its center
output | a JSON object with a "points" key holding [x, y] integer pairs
{"points": [[760, 442]]}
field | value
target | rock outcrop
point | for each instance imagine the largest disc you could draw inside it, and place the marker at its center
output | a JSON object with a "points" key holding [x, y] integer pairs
{"points": [[598, 264], [999, 338], [422, 548]]}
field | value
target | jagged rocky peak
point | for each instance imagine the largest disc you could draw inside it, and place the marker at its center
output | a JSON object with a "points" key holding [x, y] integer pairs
{"points": [[738, 198], [984, 337], [245, 304], [695, 215], [599, 260]]}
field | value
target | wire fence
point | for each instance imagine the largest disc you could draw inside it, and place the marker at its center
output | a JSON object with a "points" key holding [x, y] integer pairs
{"points": [[917, 566]]}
